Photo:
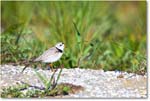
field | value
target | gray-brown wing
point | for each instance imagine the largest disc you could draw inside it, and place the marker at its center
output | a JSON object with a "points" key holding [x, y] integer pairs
{"points": [[47, 53]]}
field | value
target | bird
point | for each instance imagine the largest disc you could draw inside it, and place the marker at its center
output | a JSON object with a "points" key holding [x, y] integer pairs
{"points": [[51, 55]]}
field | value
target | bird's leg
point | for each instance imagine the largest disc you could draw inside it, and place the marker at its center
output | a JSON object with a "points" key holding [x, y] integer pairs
{"points": [[51, 66]]}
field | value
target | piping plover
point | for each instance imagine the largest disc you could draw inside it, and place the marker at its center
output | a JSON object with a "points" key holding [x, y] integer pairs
{"points": [[51, 55]]}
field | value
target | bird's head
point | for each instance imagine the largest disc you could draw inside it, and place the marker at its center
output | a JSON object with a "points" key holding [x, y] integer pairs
{"points": [[60, 46]]}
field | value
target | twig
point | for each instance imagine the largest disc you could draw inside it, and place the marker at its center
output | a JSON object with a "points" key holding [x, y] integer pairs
{"points": [[41, 88]]}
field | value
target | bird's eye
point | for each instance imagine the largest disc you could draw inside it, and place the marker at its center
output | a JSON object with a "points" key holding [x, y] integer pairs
{"points": [[60, 45]]}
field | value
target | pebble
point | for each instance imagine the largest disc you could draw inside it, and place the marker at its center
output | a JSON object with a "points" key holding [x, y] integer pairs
{"points": [[96, 83]]}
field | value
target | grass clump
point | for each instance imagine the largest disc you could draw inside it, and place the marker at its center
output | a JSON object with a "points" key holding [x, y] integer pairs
{"points": [[13, 92], [24, 91], [97, 35], [49, 83]]}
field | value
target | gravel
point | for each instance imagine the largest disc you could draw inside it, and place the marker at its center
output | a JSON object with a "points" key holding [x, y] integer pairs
{"points": [[96, 83]]}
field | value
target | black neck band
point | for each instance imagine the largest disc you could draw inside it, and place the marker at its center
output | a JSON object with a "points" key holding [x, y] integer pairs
{"points": [[59, 50]]}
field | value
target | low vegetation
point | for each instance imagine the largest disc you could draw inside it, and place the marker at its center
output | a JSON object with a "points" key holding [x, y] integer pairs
{"points": [[94, 39], [25, 91]]}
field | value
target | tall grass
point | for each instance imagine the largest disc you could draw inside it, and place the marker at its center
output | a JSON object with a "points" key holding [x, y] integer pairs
{"points": [[108, 35]]}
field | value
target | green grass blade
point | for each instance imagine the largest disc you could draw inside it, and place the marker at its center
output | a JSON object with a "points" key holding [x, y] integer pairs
{"points": [[42, 78], [58, 77]]}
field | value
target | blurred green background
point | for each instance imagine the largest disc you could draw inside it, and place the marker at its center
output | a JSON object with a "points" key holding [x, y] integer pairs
{"points": [[97, 35]]}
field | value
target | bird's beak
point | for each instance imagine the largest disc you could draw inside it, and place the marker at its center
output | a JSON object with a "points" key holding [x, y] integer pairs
{"points": [[65, 46]]}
